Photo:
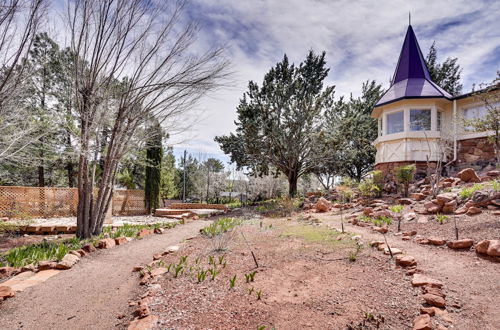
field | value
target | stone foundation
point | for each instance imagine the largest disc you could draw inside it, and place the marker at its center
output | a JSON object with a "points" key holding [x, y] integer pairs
{"points": [[390, 168], [475, 152]]}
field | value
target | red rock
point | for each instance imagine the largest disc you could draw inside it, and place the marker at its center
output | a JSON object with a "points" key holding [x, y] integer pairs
{"points": [[436, 241], [405, 261], [146, 323], [418, 196], [89, 248], [433, 290], [450, 207], [462, 210], [410, 233], [468, 175], [473, 210], [144, 232], [460, 244], [421, 280], [405, 201], [106, 243], [120, 240], [29, 268], [45, 265], [423, 322], [67, 262], [493, 173], [376, 243], [142, 311], [434, 300], [381, 230], [323, 205], [427, 310], [157, 256], [494, 248], [367, 211], [6, 292], [445, 198], [7, 272]]}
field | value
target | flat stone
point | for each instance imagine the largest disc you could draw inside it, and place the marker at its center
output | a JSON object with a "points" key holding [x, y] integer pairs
{"points": [[460, 244], [68, 261], [427, 310], [7, 272], [171, 249], [436, 241], [405, 261], [410, 233], [120, 240], [381, 230], [433, 290], [6, 292], [144, 232], [423, 322], [434, 300], [421, 280], [394, 251], [145, 323], [28, 279], [494, 248], [45, 265], [473, 210], [106, 243], [89, 248]]}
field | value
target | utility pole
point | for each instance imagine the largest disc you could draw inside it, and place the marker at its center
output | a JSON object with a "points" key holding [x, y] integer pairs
{"points": [[184, 180]]}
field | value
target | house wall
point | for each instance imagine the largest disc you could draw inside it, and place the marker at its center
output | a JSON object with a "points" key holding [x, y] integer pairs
{"points": [[390, 168], [475, 151]]}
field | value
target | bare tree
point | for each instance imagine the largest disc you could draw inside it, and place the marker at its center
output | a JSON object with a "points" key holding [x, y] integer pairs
{"points": [[133, 62], [19, 22]]}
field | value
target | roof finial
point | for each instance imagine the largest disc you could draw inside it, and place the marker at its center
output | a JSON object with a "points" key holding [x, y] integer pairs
{"points": [[409, 18]]}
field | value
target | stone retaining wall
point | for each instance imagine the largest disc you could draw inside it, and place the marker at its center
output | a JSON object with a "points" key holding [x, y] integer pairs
{"points": [[390, 168], [475, 152]]}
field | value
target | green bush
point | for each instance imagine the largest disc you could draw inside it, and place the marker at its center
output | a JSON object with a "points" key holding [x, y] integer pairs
{"points": [[25, 255], [378, 179], [368, 188], [467, 193], [220, 226], [404, 175], [396, 208]]}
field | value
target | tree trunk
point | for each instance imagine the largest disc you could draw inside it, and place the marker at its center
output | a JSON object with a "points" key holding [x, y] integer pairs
{"points": [[71, 173], [292, 184], [41, 176]]}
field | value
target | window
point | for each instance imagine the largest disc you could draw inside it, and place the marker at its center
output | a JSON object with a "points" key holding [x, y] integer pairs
{"points": [[380, 126], [420, 120], [439, 120], [478, 112], [395, 122]]}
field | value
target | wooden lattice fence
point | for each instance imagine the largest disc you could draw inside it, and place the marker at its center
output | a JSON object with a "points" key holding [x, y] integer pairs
{"points": [[50, 202]]}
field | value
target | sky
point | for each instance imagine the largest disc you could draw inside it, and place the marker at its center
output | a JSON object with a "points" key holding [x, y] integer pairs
{"points": [[362, 40]]}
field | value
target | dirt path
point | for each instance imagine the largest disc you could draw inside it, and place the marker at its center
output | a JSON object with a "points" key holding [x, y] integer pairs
{"points": [[94, 292], [472, 283]]}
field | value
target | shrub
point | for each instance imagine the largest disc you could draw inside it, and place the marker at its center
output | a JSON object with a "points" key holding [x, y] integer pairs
{"points": [[25, 255], [396, 208], [404, 175], [368, 188], [378, 179], [495, 184], [441, 218], [467, 193], [220, 226]]}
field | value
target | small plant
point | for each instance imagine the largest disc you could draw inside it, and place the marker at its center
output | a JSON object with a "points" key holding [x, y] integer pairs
{"points": [[396, 208], [183, 260], [495, 184], [378, 180], [368, 188], [178, 269], [211, 260], [221, 259], [232, 282], [467, 193], [441, 218], [262, 327], [353, 255], [220, 226], [404, 175], [213, 272], [250, 277], [259, 294], [201, 275], [250, 290]]}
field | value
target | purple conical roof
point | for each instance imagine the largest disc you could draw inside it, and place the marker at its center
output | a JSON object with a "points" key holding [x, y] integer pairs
{"points": [[411, 78]]}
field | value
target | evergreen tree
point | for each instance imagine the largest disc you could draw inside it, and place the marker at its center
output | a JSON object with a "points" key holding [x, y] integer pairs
{"points": [[169, 177], [279, 122], [154, 154], [447, 74]]}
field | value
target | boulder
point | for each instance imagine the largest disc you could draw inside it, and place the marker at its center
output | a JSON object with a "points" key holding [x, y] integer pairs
{"points": [[381, 230], [120, 240], [418, 196], [436, 241], [468, 175], [6, 292], [427, 310], [68, 261], [473, 210], [409, 216], [489, 247], [493, 173], [405, 201], [460, 244], [421, 280], [432, 207], [422, 322], [410, 233], [382, 213], [450, 207], [434, 300], [482, 247], [7, 272], [367, 211], [323, 205], [405, 261], [89, 248], [480, 198], [106, 243], [145, 323], [462, 210], [446, 198]]}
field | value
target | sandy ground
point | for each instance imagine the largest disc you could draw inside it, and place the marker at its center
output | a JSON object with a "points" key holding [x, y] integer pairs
{"points": [[117, 220], [94, 292]]}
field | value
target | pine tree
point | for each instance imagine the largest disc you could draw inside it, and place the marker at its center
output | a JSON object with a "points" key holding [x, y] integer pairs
{"points": [[447, 74], [279, 122], [154, 155]]}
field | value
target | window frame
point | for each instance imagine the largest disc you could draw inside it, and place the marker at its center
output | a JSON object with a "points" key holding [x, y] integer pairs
{"points": [[411, 125], [402, 111]]}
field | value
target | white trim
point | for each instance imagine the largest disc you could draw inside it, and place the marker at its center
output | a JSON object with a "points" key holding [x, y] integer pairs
{"points": [[474, 135]]}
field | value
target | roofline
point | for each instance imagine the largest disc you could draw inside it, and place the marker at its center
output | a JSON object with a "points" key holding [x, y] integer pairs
{"points": [[412, 98], [484, 90]]}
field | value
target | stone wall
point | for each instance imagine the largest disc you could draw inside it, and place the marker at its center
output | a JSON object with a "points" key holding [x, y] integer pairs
{"points": [[475, 152], [389, 169]]}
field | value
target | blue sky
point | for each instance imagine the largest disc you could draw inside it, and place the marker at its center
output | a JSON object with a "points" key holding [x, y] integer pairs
{"points": [[362, 40]]}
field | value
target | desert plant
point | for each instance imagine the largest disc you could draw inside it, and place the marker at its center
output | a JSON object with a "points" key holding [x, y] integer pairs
{"points": [[232, 282], [467, 193], [368, 188], [213, 272], [397, 209], [495, 185], [353, 255], [259, 294], [441, 218], [178, 269], [201, 275], [250, 290], [378, 180], [250, 277], [404, 175]]}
